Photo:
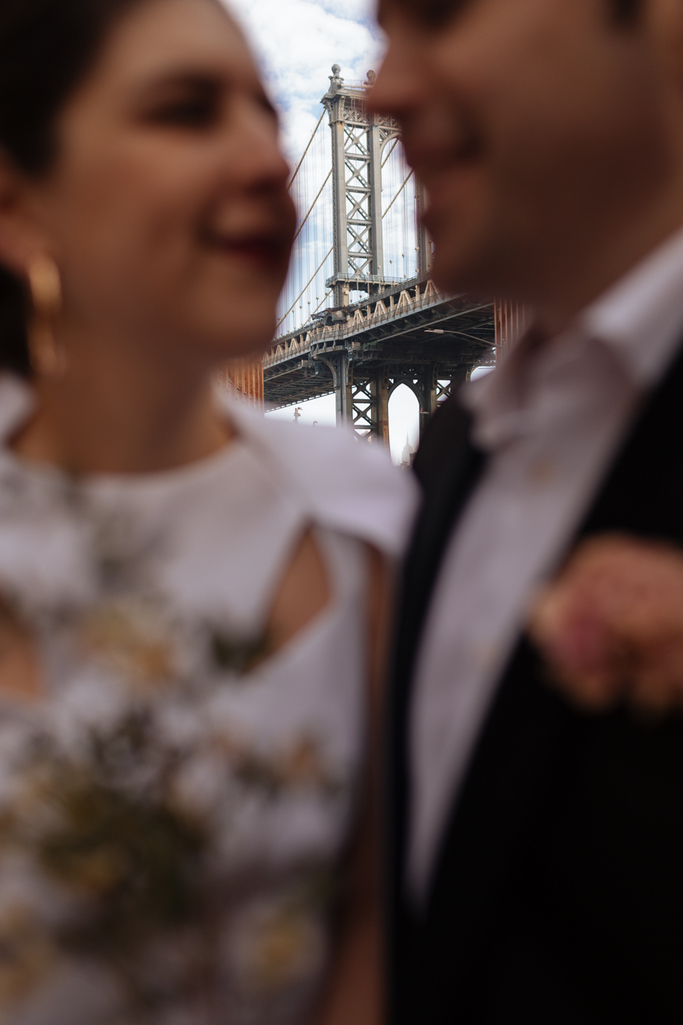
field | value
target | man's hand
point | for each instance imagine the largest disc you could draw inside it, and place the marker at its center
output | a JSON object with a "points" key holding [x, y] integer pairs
{"points": [[610, 626]]}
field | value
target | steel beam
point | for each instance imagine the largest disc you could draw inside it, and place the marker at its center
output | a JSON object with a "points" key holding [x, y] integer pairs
{"points": [[375, 141], [424, 244]]}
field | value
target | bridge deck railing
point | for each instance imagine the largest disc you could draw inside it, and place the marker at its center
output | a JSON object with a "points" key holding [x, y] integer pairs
{"points": [[287, 348]]}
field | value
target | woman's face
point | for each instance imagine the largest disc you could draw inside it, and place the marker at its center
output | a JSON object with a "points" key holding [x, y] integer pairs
{"points": [[167, 209]]}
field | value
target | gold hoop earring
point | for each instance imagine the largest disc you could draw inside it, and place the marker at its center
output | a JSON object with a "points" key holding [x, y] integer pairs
{"points": [[46, 356]]}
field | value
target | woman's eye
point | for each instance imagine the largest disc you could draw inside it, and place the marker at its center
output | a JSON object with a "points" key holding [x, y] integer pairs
{"points": [[191, 113]]}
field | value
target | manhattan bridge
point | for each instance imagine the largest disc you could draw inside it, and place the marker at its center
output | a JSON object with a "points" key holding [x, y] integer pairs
{"points": [[359, 315]]}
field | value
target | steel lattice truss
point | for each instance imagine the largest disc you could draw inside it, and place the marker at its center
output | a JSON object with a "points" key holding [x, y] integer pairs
{"points": [[358, 199], [404, 332]]}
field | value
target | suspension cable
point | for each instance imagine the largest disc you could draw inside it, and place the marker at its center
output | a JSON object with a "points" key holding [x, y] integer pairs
{"points": [[310, 211], [324, 298], [405, 182], [303, 291], [296, 169], [391, 150]]}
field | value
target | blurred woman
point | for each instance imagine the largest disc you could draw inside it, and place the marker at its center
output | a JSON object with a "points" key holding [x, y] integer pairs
{"points": [[190, 594]]}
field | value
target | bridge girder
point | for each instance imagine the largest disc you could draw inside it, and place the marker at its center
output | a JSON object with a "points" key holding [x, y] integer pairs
{"points": [[409, 334]]}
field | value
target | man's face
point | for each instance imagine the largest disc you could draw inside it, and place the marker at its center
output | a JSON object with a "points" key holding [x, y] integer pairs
{"points": [[537, 127]]}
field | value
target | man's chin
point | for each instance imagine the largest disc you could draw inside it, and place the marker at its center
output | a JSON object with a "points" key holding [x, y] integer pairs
{"points": [[454, 275]]}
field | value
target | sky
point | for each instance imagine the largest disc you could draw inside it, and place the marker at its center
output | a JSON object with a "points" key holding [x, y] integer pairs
{"points": [[297, 42]]}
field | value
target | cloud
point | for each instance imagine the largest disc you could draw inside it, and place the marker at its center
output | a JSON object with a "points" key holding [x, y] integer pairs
{"points": [[297, 42]]}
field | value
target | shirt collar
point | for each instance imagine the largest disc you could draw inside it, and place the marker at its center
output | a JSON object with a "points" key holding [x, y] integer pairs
{"points": [[639, 319], [641, 316]]}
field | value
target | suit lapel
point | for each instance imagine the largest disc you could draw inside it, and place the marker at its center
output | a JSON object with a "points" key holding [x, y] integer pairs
{"points": [[526, 744], [644, 490], [446, 495]]}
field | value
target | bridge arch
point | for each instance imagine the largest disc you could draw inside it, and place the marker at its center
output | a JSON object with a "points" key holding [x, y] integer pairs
{"points": [[411, 384], [403, 420]]}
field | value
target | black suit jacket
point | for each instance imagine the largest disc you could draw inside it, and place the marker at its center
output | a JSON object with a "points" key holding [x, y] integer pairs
{"points": [[557, 895]]}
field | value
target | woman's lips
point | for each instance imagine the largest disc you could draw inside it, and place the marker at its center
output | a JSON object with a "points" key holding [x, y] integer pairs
{"points": [[262, 248]]}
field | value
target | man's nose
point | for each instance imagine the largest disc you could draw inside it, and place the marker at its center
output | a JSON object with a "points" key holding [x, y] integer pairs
{"points": [[398, 85]]}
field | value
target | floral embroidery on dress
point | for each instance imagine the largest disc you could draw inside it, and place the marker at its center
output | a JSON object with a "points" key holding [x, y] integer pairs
{"points": [[123, 789], [129, 873]]}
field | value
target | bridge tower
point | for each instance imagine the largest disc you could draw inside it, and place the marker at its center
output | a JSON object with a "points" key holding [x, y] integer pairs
{"points": [[399, 330], [358, 141]]}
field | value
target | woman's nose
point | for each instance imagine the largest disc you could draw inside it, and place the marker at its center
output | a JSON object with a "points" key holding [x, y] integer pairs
{"points": [[260, 161]]}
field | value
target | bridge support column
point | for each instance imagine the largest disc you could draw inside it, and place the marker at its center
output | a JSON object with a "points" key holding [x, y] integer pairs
{"points": [[428, 404], [370, 404], [358, 140], [382, 386], [342, 388]]}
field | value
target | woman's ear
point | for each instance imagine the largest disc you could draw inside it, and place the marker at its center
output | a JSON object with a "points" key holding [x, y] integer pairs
{"points": [[20, 236]]}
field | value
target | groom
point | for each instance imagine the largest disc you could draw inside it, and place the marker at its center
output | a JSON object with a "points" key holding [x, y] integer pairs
{"points": [[536, 872]]}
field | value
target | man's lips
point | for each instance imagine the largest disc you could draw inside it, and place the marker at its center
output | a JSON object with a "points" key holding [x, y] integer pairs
{"points": [[439, 156], [443, 176]]}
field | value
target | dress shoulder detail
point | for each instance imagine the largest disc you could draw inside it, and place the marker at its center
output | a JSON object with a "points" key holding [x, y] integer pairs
{"points": [[346, 485]]}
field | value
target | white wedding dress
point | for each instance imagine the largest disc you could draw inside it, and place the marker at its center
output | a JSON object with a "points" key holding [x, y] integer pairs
{"points": [[169, 751]]}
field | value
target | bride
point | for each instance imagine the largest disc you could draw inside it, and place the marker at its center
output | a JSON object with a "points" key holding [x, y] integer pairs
{"points": [[190, 594]]}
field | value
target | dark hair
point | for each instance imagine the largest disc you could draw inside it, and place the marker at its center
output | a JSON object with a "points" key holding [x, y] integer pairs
{"points": [[46, 49]]}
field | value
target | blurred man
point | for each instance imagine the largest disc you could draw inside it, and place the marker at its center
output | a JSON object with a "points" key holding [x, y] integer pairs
{"points": [[537, 850]]}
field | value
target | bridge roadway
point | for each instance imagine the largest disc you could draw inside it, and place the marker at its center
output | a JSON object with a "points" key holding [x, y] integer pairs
{"points": [[409, 333]]}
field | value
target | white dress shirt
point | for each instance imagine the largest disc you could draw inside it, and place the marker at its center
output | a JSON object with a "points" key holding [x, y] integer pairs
{"points": [[551, 418]]}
